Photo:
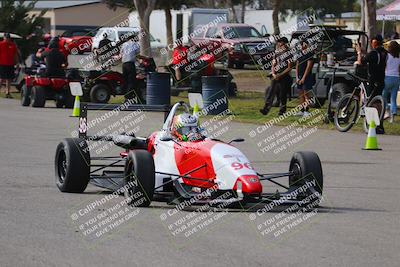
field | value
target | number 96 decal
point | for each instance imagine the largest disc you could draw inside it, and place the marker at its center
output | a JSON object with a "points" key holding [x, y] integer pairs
{"points": [[238, 166]]}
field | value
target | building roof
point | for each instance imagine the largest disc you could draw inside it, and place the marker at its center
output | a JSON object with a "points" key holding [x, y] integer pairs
{"points": [[61, 4]]}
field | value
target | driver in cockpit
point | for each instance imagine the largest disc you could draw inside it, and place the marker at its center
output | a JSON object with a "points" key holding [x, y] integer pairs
{"points": [[185, 127]]}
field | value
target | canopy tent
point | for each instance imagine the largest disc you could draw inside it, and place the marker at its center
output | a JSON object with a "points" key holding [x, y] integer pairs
{"points": [[389, 12]]}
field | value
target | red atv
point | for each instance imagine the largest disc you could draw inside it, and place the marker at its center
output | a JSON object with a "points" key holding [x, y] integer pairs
{"points": [[36, 90]]}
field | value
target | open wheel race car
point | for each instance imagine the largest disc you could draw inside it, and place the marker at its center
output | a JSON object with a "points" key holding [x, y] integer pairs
{"points": [[161, 168]]}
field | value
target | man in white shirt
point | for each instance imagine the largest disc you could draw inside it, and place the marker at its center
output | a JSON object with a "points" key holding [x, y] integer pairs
{"points": [[129, 50]]}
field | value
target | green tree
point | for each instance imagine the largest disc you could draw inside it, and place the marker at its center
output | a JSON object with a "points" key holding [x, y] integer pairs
{"points": [[14, 18]]}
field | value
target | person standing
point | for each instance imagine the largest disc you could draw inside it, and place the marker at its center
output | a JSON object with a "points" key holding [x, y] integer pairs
{"points": [[129, 50], [304, 76], [8, 60], [281, 80], [392, 78], [105, 45], [376, 62]]}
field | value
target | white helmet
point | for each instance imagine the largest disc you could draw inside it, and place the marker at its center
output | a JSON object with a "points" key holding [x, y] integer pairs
{"points": [[185, 127]]}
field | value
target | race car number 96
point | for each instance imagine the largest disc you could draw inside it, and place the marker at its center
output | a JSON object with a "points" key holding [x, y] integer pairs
{"points": [[238, 166]]}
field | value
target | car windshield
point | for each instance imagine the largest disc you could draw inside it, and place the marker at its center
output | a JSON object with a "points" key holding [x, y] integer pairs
{"points": [[241, 32]]}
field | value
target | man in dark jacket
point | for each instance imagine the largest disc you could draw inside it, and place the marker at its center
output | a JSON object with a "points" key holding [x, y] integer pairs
{"points": [[376, 62]]}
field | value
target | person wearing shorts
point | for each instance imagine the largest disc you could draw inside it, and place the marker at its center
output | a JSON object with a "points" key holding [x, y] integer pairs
{"points": [[8, 59], [304, 77]]}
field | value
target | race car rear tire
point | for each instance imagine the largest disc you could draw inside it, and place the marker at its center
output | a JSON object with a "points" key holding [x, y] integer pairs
{"points": [[38, 96], [25, 96], [307, 168], [140, 172], [72, 165]]}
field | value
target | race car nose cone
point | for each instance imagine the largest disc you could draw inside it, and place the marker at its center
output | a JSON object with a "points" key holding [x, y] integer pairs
{"points": [[250, 184]]}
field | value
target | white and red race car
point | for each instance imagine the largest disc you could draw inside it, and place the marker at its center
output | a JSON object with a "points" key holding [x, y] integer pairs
{"points": [[159, 167]]}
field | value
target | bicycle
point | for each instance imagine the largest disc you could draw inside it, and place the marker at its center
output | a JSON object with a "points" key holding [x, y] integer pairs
{"points": [[351, 107]]}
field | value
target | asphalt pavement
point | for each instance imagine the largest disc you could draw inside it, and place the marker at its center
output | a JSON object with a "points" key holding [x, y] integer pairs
{"points": [[356, 225]]}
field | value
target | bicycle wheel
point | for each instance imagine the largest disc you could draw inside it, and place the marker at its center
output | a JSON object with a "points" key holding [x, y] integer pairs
{"points": [[376, 102], [347, 112]]}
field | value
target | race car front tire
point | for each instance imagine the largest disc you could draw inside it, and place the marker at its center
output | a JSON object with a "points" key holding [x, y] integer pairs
{"points": [[72, 165], [38, 96], [140, 177], [307, 169]]}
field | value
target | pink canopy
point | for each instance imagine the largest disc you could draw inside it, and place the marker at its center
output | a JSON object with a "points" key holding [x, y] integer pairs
{"points": [[389, 12]]}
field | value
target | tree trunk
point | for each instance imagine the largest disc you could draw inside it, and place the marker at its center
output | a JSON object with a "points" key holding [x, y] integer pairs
{"points": [[232, 7], [370, 22], [144, 9], [168, 21], [211, 3], [362, 20], [363, 40], [276, 4], [243, 11]]}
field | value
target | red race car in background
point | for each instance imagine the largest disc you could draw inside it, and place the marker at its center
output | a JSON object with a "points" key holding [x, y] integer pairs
{"points": [[77, 42]]}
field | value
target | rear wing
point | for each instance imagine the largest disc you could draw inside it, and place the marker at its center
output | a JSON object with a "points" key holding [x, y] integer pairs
{"points": [[85, 107]]}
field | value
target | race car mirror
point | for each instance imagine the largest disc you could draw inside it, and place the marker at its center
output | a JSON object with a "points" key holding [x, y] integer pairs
{"points": [[237, 140], [166, 138], [196, 99], [76, 88], [372, 115]]}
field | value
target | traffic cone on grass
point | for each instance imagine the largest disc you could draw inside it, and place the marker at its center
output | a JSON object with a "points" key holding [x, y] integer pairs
{"points": [[372, 141], [77, 108]]}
